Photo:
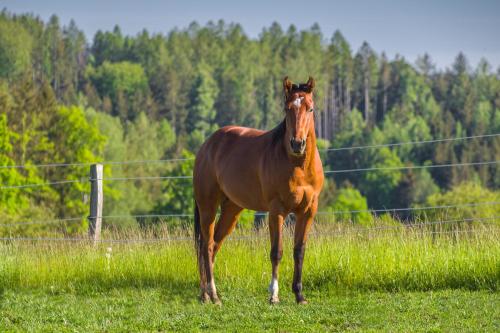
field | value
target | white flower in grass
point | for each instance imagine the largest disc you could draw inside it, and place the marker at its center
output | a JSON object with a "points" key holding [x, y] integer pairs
{"points": [[109, 250]]}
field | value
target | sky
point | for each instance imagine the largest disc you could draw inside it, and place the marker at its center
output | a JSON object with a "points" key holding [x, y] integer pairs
{"points": [[408, 28]]}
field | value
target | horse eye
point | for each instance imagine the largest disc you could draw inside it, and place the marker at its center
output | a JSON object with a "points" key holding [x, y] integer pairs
{"points": [[311, 109]]}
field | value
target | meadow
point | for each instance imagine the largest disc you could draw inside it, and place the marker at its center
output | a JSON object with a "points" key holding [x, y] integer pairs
{"points": [[416, 141], [378, 278]]}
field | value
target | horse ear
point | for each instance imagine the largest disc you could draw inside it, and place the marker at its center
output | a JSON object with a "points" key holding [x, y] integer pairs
{"points": [[287, 86], [310, 84]]}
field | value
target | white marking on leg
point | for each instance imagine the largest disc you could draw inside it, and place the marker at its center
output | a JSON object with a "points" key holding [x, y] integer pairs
{"points": [[213, 290], [298, 101], [273, 288]]}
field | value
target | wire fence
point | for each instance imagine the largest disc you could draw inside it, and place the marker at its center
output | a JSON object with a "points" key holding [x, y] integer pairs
{"points": [[482, 220], [188, 177], [416, 227], [187, 238], [52, 183], [411, 167], [394, 144], [54, 221], [263, 214], [72, 164], [398, 144]]}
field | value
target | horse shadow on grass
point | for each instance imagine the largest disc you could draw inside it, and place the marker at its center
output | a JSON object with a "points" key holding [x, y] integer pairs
{"points": [[183, 291]]}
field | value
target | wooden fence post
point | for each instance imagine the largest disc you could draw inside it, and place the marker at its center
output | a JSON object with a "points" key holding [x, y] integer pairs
{"points": [[96, 201]]}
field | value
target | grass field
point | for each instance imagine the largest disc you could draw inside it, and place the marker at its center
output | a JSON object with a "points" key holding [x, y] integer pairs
{"points": [[159, 309], [388, 280]]}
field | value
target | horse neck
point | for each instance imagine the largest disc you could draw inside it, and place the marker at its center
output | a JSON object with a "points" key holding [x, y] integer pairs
{"points": [[310, 154]]}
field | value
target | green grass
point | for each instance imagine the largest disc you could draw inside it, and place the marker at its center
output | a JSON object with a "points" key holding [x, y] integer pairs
{"points": [[389, 261], [162, 309], [383, 280]]}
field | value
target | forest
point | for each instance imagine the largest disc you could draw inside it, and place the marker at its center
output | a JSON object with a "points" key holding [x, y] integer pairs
{"points": [[70, 98]]}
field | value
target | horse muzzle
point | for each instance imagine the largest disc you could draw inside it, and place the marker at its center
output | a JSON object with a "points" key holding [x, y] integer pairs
{"points": [[298, 146]]}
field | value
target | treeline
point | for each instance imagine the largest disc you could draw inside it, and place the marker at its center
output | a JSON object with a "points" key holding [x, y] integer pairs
{"points": [[153, 96]]}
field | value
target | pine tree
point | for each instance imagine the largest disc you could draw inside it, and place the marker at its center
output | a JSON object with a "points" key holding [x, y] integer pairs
{"points": [[366, 80]]}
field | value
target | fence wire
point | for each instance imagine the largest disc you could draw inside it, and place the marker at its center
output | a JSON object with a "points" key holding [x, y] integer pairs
{"points": [[141, 178], [471, 204], [411, 167], [71, 164], [186, 177], [484, 221], [60, 182], [395, 144], [54, 221], [408, 226], [339, 212]]}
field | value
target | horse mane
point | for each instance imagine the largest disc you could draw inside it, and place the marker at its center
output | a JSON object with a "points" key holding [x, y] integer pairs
{"points": [[302, 87], [278, 132]]}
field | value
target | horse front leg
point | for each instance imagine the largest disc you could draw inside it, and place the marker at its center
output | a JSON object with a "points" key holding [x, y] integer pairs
{"points": [[276, 232], [302, 226]]}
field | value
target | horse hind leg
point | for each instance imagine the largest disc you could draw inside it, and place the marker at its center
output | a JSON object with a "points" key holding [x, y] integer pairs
{"points": [[199, 255], [207, 226]]}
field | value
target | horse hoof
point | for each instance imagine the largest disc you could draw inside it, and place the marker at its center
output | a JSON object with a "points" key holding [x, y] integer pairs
{"points": [[274, 300], [301, 300], [216, 301], [204, 298]]}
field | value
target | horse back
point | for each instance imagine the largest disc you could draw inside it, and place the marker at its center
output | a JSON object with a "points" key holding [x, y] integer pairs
{"points": [[231, 160]]}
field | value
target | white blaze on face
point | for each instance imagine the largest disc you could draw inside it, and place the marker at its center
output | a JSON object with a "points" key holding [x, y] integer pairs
{"points": [[298, 101], [273, 287]]}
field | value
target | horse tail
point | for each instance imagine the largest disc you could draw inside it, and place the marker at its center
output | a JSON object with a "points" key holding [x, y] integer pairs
{"points": [[198, 244], [197, 229]]}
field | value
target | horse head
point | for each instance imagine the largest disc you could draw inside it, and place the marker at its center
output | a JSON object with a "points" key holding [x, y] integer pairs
{"points": [[299, 118]]}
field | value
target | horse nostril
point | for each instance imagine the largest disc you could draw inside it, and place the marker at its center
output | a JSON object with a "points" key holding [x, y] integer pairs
{"points": [[297, 145]]}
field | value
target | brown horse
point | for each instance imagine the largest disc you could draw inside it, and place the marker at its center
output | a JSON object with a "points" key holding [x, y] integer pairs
{"points": [[278, 171]]}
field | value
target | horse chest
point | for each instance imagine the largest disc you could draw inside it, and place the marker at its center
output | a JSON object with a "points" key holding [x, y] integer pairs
{"points": [[298, 196]]}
